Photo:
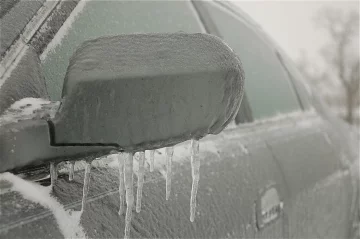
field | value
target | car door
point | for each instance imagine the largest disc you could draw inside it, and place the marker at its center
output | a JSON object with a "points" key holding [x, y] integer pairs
{"points": [[242, 191], [264, 185], [332, 183], [319, 186]]}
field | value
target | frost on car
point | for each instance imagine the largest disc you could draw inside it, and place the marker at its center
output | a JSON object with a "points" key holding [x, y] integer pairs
{"points": [[284, 168], [152, 91]]}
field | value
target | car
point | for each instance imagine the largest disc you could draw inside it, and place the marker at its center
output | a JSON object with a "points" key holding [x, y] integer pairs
{"points": [[278, 165]]}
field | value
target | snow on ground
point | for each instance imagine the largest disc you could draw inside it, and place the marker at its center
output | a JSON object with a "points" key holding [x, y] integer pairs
{"points": [[67, 220]]}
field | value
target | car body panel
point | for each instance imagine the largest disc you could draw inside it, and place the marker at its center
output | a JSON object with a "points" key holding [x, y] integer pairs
{"points": [[300, 153], [236, 166], [317, 181]]}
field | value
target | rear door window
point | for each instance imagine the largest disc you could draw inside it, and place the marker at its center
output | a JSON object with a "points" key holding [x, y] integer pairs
{"points": [[267, 85], [92, 19]]}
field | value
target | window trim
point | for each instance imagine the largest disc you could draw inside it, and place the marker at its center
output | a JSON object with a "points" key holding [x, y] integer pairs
{"points": [[211, 28], [292, 80], [278, 51]]}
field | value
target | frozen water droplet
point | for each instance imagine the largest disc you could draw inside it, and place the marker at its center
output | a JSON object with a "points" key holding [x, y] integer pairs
{"points": [[53, 173], [86, 185], [152, 157], [244, 149], [71, 171], [327, 139], [128, 171], [140, 181], [195, 167], [121, 184], [169, 156]]}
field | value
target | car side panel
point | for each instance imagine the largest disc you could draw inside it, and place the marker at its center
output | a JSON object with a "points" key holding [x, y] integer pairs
{"points": [[236, 166], [319, 186]]}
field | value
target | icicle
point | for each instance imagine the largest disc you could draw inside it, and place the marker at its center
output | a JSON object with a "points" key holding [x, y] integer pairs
{"points": [[128, 172], [152, 156], [86, 185], [195, 166], [53, 173], [71, 173], [140, 181], [169, 155], [121, 184]]}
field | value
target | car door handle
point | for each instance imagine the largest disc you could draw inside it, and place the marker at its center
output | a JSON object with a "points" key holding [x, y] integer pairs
{"points": [[269, 206]]}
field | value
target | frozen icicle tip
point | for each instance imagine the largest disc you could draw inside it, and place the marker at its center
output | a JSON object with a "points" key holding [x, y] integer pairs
{"points": [[128, 178], [152, 159], [71, 170], [140, 180], [53, 173], [121, 184], [195, 168], [86, 184], [169, 155]]}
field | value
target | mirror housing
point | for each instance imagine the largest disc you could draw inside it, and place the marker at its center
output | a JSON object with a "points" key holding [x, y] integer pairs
{"points": [[147, 91]]}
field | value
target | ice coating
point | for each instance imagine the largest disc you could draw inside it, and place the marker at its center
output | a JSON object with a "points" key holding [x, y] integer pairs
{"points": [[128, 171], [169, 156], [121, 184], [29, 108], [159, 67], [86, 185], [152, 158], [67, 220], [71, 171], [195, 166], [53, 173], [140, 180]]}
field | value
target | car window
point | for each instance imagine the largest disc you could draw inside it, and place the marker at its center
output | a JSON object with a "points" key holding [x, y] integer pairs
{"points": [[267, 85], [93, 19], [298, 79], [14, 17]]}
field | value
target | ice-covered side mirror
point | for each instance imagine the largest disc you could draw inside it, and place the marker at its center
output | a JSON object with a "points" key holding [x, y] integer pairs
{"points": [[128, 93], [147, 91]]}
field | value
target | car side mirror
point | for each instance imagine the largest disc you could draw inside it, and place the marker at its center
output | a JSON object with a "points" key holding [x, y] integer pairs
{"points": [[127, 93], [146, 91]]}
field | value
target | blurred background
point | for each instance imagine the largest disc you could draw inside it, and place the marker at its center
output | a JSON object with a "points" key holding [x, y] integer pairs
{"points": [[322, 37]]}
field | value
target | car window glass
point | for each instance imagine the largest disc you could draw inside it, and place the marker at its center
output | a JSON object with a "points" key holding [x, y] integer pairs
{"points": [[266, 82], [14, 17], [298, 80], [104, 18]]}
